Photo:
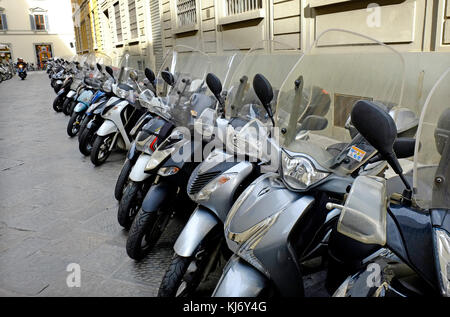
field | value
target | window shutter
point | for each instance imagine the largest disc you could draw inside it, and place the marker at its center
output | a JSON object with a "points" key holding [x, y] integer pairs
{"points": [[5, 24], [32, 22], [47, 27]]}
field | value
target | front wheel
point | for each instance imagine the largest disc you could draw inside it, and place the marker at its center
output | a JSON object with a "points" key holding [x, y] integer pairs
{"points": [[145, 231], [74, 124], [122, 179], [183, 276], [83, 126], [101, 149], [86, 141], [130, 204], [57, 103], [66, 106]]}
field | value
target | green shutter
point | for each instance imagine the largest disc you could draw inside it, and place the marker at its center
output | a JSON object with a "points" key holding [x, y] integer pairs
{"points": [[32, 22]]}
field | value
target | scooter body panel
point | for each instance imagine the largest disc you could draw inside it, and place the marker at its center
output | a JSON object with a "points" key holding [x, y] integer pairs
{"points": [[114, 116], [137, 173], [216, 164], [269, 204], [201, 222], [80, 107], [108, 127]]}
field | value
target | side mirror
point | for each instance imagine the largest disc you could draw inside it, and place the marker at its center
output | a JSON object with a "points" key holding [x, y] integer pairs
{"points": [[134, 75], [99, 67], [314, 123], [263, 90], [109, 71], [379, 129], [168, 77], [214, 84], [150, 75]]}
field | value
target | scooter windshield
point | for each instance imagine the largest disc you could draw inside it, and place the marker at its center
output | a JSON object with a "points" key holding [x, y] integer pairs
{"points": [[432, 153], [127, 64], [317, 97], [273, 60], [188, 66], [97, 58]]}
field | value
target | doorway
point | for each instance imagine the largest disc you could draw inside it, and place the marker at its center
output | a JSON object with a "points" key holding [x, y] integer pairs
{"points": [[43, 54]]}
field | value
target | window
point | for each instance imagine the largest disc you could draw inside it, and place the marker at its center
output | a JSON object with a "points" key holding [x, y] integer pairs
{"points": [[39, 21], [186, 12], [133, 19], [94, 30], [240, 6], [118, 22], [3, 24]]}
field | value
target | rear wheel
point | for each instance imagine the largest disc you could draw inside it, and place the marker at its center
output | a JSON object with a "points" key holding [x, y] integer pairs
{"points": [[130, 204], [122, 179], [74, 124], [101, 149], [145, 231]]}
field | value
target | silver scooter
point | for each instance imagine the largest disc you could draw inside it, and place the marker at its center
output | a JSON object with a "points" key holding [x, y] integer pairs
{"points": [[221, 177], [278, 228]]}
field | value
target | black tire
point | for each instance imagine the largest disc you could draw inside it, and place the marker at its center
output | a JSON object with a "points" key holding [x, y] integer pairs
{"points": [[57, 104], [86, 141], [73, 127], [73, 104], [130, 204], [177, 273], [83, 126], [66, 106], [100, 149], [122, 179], [145, 231], [173, 278]]}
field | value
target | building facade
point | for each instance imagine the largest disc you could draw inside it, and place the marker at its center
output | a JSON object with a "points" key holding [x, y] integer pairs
{"points": [[419, 29], [36, 30]]}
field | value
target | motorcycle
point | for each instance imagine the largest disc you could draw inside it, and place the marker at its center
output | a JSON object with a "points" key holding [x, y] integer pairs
{"points": [[173, 161], [93, 83], [223, 175], [401, 239], [280, 220], [22, 72], [121, 118]]}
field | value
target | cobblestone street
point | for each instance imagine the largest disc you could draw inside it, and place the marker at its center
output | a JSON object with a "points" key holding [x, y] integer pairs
{"points": [[56, 208]]}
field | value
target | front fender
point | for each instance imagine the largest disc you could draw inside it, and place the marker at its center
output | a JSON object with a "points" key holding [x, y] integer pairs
{"points": [[71, 94], [137, 173], [157, 196], [132, 152], [201, 222], [240, 279], [108, 127], [80, 107]]}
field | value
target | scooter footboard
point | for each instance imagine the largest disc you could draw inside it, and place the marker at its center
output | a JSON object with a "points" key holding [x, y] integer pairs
{"points": [[240, 279], [201, 222]]}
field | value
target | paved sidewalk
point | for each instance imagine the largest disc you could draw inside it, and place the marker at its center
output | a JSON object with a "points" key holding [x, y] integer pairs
{"points": [[56, 208]]}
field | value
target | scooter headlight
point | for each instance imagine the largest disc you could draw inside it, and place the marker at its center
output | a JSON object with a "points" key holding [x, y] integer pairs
{"points": [[443, 255], [299, 173], [121, 93], [205, 192], [168, 171]]}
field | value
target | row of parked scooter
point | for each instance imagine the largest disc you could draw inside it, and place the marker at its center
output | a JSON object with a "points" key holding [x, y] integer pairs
{"points": [[301, 175], [6, 71]]}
